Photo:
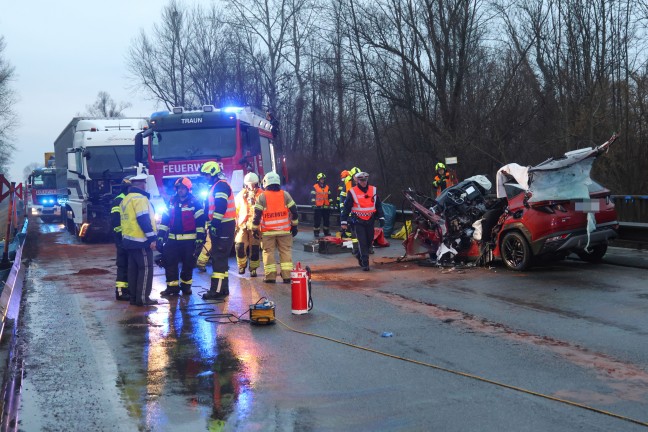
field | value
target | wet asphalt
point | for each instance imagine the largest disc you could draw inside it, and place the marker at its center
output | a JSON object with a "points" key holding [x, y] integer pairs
{"points": [[570, 330]]}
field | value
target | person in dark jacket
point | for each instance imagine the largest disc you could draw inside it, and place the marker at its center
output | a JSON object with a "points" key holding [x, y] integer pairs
{"points": [[361, 208], [138, 237], [180, 234], [121, 283], [221, 212]]}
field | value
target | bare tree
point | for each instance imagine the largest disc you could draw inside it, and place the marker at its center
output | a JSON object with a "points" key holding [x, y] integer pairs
{"points": [[8, 119], [161, 62], [105, 106], [29, 168]]}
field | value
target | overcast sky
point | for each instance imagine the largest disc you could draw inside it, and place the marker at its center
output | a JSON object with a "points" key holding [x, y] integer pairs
{"points": [[64, 53]]}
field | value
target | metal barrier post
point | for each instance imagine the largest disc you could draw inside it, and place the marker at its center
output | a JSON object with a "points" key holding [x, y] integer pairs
{"points": [[5, 253]]}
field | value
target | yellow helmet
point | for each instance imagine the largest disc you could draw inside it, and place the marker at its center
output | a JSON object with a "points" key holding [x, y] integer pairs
{"points": [[211, 167], [439, 166], [321, 176], [353, 171]]}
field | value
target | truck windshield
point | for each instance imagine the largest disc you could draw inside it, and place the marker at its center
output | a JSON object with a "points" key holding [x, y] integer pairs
{"points": [[44, 181], [187, 144], [104, 160]]}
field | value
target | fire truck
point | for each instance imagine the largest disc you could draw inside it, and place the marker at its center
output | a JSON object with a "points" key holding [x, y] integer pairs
{"points": [[43, 201], [177, 143]]}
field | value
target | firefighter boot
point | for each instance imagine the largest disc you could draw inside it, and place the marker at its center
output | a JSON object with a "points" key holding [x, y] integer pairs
{"points": [[316, 233], [253, 273], [219, 289], [186, 288], [124, 295], [172, 289], [327, 232], [241, 270]]}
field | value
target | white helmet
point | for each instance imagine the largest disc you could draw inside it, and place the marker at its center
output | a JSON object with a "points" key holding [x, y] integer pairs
{"points": [[251, 178], [362, 176], [270, 179]]}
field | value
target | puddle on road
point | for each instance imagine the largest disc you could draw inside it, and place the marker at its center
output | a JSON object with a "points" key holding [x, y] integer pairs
{"points": [[182, 367], [628, 382]]}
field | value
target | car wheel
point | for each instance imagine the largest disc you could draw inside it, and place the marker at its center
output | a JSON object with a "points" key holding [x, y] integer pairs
{"points": [[594, 255], [515, 251]]}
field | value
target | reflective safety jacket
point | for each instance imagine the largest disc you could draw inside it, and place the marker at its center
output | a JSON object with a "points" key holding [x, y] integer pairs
{"points": [[345, 185], [137, 220], [115, 215], [276, 211], [362, 205], [220, 204], [184, 217], [442, 183], [320, 196], [245, 201]]}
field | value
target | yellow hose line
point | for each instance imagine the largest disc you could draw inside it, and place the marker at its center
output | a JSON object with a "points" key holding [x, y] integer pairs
{"points": [[467, 375]]}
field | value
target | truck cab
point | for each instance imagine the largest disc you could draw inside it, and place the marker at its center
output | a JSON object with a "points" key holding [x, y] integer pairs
{"points": [[100, 157]]}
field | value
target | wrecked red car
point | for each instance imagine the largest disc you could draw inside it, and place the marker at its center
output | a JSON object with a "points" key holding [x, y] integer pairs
{"points": [[545, 212]]}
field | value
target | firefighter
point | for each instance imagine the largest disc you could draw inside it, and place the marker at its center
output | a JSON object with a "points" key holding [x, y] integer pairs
{"points": [[222, 224], [361, 208], [138, 237], [121, 283], [443, 179], [276, 213], [321, 203], [345, 179], [180, 234], [245, 243]]}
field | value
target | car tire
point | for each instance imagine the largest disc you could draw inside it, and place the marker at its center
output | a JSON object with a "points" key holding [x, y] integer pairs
{"points": [[595, 255], [515, 251]]}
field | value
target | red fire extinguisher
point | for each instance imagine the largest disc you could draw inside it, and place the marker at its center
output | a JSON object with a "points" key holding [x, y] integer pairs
{"points": [[300, 283]]}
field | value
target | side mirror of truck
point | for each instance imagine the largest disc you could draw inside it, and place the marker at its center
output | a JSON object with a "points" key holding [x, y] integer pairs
{"points": [[139, 148]]}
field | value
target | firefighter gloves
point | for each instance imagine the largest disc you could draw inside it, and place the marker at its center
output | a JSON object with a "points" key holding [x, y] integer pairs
{"points": [[294, 230], [213, 231], [159, 244]]}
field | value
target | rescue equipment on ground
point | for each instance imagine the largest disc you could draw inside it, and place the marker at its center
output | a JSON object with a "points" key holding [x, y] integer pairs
{"points": [[262, 312], [300, 283]]}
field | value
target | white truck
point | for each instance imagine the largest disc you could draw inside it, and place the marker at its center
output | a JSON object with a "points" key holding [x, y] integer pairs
{"points": [[97, 155]]}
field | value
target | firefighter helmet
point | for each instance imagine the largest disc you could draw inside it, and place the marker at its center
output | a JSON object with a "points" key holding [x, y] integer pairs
{"points": [[344, 174], [353, 171], [184, 181], [321, 176], [362, 176], [439, 166], [251, 178], [211, 167], [272, 178]]}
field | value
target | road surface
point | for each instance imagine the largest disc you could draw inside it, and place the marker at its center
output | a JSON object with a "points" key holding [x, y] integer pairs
{"points": [[571, 331]]}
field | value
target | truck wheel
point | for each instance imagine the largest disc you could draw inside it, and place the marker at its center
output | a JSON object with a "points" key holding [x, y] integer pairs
{"points": [[594, 254], [515, 251]]}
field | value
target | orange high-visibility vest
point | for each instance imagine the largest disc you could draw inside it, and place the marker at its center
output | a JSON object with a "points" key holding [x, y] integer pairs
{"points": [[321, 195], [275, 215], [245, 201], [364, 204], [230, 212]]}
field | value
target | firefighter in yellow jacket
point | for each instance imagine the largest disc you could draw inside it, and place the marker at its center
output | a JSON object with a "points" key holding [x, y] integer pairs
{"points": [[276, 214], [321, 203], [244, 243]]}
